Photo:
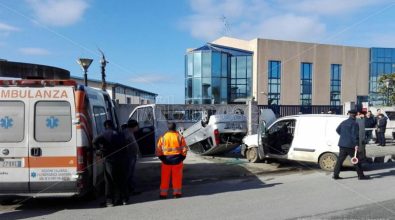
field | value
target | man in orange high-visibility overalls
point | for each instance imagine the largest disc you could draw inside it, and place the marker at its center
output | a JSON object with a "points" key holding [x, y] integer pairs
{"points": [[172, 151]]}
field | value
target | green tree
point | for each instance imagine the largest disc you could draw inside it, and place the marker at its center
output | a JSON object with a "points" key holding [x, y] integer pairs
{"points": [[385, 88]]}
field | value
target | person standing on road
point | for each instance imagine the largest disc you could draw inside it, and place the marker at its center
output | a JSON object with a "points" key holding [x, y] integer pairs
{"points": [[370, 123], [348, 143], [133, 149], [381, 126], [361, 121], [111, 145], [172, 151]]}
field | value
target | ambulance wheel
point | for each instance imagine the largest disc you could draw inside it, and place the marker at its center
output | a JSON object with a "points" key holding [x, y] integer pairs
{"points": [[327, 161], [252, 155]]}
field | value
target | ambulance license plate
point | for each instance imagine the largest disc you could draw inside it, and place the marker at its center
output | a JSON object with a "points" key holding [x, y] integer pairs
{"points": [[10, 163]]}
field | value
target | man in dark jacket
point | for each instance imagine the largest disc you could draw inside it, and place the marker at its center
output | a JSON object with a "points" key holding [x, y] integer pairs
{"points": [[370, 122], [111, 145], [348, 143], [381, 126]]}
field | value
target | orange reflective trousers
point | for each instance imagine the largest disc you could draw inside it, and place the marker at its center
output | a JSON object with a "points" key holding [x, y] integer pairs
{"points": [[175, 172]]}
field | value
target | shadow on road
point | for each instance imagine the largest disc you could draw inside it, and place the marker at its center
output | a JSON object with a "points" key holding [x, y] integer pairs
{"points": [[200, 178]]}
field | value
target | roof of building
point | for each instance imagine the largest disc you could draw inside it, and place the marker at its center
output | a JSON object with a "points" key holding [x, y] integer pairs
{"points": [[31, 70], [115, 84], [224, 49]]}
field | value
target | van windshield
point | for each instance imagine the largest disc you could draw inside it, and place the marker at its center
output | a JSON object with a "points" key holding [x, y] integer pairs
{"points": [[12, 119]]}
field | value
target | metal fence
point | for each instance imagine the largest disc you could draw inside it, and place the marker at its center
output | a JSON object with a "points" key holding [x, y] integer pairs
{"points": [[285, 110]]}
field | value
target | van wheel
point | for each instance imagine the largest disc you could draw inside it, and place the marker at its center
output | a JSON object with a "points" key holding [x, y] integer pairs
{"points": [[327, 161], [252, 155]]}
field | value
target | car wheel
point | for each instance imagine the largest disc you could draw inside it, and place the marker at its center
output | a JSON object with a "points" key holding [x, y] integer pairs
{"points": [[327, 161], [252, 155]]}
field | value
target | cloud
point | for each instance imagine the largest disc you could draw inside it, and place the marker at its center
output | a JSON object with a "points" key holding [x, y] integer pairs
{"points": [[283, 19], [329, 7], [7, 28], [150, 78], [58, 12], [291, 27], [35, 51]]}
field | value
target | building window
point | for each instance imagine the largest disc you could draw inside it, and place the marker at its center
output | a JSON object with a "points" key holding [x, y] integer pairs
{"points": [[335, 85], [306, 83], [274, 80], [241, 68], [128, 100], [382, 62]]}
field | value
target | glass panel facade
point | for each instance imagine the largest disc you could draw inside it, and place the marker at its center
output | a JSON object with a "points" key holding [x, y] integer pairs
{"points": [[382, 61], [240, 86], [274, 82], [306, 73], [335, 95], [214, 76]]}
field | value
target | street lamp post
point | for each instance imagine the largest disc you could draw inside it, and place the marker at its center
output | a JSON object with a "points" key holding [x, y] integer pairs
{"points": [[388, 84], [85, 63]]}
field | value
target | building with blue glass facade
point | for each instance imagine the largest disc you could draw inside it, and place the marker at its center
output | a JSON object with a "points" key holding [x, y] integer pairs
{"points": [[382, 61], [276, 72], [217, 75]]}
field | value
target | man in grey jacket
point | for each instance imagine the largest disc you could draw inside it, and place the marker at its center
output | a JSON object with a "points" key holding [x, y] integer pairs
{"points": [[133, 149], [348, 143]]}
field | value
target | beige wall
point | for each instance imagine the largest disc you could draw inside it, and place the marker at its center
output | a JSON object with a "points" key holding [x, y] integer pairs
{"points": [[354, 61]]}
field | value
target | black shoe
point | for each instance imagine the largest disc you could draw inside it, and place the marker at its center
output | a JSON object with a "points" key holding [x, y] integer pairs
{"points": [[162, 197], [177, 196], [336, 177], [364, 177]]}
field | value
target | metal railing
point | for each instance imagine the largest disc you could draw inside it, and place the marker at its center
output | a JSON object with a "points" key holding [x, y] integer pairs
{"points": [[285, 110]]}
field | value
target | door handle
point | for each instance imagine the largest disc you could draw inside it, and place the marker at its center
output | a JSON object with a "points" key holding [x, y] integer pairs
{"points": [[36, 152]]}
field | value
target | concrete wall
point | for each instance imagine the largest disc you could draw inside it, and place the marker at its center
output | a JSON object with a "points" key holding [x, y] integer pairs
{"points": [[354, 61]]}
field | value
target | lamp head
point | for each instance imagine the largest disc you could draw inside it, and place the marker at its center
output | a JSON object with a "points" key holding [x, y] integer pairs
{"points": [[84, 63]]}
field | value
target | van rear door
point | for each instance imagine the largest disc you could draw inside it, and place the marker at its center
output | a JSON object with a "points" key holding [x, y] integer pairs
{"points": [[52, 141], [14, 171]]}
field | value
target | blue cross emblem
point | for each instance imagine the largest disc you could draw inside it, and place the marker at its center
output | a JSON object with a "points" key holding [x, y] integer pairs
{"points": [[52, 122], [34, 174], [6, 122]]}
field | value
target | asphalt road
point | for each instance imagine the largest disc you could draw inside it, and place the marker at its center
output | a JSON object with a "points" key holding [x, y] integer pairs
{"points": [[227, 188]]}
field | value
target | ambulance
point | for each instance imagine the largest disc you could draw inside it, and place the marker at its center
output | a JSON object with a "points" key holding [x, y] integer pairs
{"points": [[46, 132]]}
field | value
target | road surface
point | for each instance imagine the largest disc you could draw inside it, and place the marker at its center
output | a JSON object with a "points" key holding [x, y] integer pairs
{"points": [[228, 188]]}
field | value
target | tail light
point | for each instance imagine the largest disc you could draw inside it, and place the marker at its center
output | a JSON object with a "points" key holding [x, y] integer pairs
{"points": [[81, 159], [217, 138]]}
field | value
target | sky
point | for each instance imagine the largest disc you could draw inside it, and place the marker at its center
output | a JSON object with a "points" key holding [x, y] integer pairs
{"points": [[145, 41]]}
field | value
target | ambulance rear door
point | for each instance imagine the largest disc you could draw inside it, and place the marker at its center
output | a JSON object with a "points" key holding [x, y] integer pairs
{"points": [[14, 171], [52, 141]]}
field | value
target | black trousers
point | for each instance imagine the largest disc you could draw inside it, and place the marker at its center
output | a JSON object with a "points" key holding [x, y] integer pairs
{"points": [[115, 177], [343, 153], [381, 138]]}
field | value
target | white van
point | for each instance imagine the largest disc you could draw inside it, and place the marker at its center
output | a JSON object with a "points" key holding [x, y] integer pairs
{"points": [[46, 131], [309, 138]]}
